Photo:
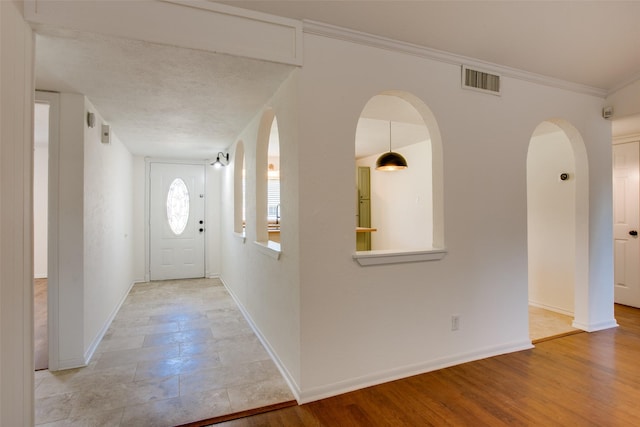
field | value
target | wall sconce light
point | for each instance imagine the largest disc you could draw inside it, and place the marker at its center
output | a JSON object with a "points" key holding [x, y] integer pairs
{"points": [[218, 163], [391, 161]]}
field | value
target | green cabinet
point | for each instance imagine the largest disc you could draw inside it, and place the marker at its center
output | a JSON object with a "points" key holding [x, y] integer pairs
{"points": [[363, 240]]}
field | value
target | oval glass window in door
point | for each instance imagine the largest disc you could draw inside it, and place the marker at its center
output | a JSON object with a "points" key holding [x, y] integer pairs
{"points": [[178, 206]]}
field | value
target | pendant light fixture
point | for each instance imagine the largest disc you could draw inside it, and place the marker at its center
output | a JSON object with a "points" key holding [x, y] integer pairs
{"points": [[391, 161]]}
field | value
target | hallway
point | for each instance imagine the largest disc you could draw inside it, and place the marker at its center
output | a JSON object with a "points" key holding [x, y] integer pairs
{"points": [[177, 352]]}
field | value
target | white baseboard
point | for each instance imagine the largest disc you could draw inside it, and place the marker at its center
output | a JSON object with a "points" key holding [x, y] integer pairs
{"points": [[593, 327], [40, 276], [329, 390], [71, 364], [346, 386], [552, 308], [88, 354], [293, 386]]}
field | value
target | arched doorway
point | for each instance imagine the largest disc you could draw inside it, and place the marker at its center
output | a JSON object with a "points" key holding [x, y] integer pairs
{"points": [[557, 222]]}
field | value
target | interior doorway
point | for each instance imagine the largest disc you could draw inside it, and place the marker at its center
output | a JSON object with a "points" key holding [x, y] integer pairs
{"points": [[626, 190], [553, 230], [40, 232]]}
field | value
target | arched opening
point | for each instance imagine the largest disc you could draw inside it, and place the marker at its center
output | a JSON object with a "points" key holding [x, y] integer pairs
{"points": [[273, 184], [398, 210], [557, 228], [268, 212], [239, 198]]}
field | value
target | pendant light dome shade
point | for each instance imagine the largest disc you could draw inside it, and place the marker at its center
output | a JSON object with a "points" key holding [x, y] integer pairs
{"points": [[391, 161]]}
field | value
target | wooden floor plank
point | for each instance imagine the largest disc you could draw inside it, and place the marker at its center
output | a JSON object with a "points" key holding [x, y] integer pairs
{"points": [[578, 380]]}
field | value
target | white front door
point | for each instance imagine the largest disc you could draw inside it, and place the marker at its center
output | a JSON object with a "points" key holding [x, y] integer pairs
{"points": [[176, 221], [625, 224]]}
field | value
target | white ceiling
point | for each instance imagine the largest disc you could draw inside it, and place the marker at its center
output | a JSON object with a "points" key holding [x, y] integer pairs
{"points": [[165, 101], [594, 43], [385, 119]]}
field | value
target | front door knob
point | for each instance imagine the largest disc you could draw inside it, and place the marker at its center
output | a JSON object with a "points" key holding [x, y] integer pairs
{"points": [[633, 233]]}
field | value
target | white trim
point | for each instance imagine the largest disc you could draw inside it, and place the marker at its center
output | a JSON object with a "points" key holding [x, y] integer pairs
{"points": [[73, 363], [593, 327], [147, 182], [634, 137], [293, 386], [53, 228], [340, 387], [270, 248], [241, 236], [332, 31], [551, 308], [379, 257], [195, 24], [631, 80], [259, 17], [98, 338]]}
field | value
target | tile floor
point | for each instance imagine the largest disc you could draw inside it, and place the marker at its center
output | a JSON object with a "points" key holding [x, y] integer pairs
{"points": [[41, 338], [545, 324], [177, 352]]}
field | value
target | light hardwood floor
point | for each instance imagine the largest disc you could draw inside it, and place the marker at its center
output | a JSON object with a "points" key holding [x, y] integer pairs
{"points": [[177, 352], [586, 379]]}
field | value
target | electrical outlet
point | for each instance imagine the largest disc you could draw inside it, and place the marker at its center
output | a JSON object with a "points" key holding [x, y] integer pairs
{"points": [[455, 322]]}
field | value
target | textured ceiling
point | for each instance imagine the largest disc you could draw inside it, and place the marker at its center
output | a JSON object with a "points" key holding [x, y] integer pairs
{"points": [[161, 101], [165, 101]]}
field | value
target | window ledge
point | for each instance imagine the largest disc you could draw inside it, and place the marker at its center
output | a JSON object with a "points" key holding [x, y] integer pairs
{"points": [[271, 249], [365, 258], [240, 236]]}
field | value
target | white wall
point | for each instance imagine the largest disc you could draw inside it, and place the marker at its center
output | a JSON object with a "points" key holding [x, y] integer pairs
{"points": [[95, 222], [139, 180], [362, 325], [401, 201], [16, 213], [108, 229], [551, 222], [213, 206], [266, 288], [40, 209], [69, 187]]}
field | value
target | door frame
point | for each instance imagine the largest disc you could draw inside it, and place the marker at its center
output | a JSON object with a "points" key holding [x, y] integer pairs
{"points": [[53, 220], [617, 141], [147, 199]]}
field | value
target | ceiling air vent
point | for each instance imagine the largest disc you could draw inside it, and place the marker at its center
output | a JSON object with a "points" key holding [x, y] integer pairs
{"points": [[480, 81]]}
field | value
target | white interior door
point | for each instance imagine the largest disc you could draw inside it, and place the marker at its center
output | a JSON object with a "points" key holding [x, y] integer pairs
{"points": [[625, 223], [176, 221]]}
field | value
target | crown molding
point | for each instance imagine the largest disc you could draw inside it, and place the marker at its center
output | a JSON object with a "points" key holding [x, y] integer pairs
{"points": [[631, 80], [634, 137], [332, 31]]}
